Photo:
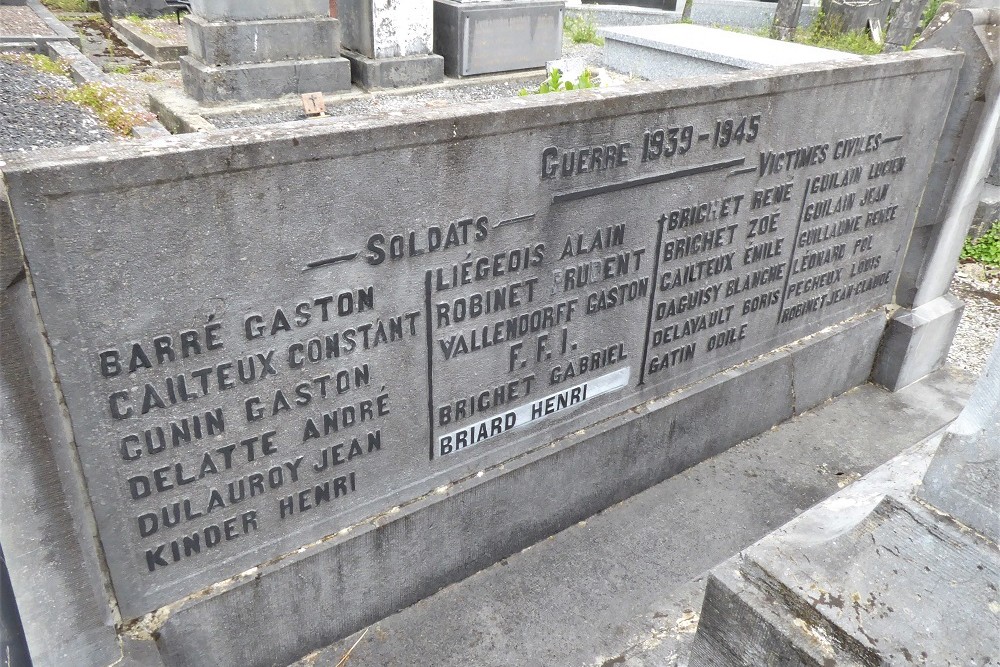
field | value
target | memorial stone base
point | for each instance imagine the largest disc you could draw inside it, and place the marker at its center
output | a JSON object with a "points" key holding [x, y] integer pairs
{"points": [[396, 72], [917, 342], [250, 51], [488, 37], [389, 44]]}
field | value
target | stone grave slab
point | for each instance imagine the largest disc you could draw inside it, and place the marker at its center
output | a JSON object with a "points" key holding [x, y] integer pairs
{"points": [[669, 51]]}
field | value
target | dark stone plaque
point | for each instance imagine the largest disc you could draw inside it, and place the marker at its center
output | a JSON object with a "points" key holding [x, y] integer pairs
{"points": [[266, 336]]}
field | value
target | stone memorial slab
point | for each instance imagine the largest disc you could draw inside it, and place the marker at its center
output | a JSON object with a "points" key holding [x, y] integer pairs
{"points": [[265, 336]]}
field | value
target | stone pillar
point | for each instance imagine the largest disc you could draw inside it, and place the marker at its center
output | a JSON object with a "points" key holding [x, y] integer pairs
{"points": [[241, 50], [919, 335], [482, 37], [389, 43]]}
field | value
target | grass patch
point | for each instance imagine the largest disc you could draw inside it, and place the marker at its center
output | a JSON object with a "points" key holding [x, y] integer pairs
{"points": [[582, 30], [109, 104], [67, 5], [39, 62], [825, 33], [557, 84], [985, 249], [120, 69], [930, 11]]}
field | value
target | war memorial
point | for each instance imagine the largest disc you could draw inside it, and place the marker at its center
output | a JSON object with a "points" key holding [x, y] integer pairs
{"points": [[267, 386]]}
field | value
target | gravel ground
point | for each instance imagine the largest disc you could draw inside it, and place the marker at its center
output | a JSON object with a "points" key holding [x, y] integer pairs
{"points": [[980, 325], [29, 123], [22, 21], [390, 102]]}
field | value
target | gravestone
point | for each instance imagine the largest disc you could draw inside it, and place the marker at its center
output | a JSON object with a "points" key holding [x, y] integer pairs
{"points": [[389, 43], [854, 15], [295, 378], [241, 50], [483, 37], [903, 26]]}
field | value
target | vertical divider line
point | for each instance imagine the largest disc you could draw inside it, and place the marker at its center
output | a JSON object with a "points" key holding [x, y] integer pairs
{"points": [[652, 300], [791, 258], [430, 359]]}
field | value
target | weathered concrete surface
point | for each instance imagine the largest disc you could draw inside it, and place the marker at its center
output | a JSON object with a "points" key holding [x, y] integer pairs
{"points": [[389, 44], [906, 350], [920, 585], [146, 8], [57, 31], [254, 10], [854, 16], [786, 19], [246, 82], [162, 53], [227, 251], [622, 587], [749, 14], [387, 29], [903, 598]]}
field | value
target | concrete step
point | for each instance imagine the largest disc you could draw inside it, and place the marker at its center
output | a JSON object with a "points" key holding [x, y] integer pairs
{"points": [[625, 586]]}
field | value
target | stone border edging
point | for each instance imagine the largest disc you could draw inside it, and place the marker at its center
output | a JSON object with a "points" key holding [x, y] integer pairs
{"points": [[164, 55], [83, 70]]}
